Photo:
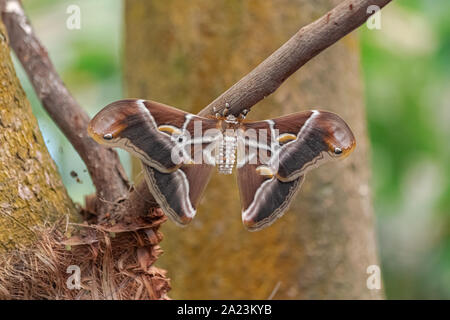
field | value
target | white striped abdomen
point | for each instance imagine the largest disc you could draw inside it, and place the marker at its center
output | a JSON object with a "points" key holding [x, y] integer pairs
{"points": [[226, 156]]}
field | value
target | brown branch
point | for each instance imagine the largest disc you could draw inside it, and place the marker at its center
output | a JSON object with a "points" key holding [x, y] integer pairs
{"points": [[103, 164], [302, 47]]}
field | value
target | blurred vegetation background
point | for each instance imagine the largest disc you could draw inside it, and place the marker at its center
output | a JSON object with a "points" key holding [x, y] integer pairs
{"points": [[406, 68]]}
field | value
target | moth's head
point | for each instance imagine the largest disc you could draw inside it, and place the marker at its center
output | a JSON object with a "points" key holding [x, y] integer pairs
{"points": [[339, 137], [108, 125]]}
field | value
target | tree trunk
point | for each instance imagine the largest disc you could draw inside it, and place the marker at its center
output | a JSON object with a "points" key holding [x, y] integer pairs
{"points": [[31, 190], [185, 54]]}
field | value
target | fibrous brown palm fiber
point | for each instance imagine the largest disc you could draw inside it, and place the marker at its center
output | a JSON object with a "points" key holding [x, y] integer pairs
{"points": [[115, 259]]}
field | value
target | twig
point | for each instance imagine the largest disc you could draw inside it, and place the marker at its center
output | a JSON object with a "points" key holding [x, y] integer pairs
{"points": [[302, 47], [103, 164]]}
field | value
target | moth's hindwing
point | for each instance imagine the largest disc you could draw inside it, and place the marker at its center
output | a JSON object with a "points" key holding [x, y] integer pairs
{"points": [[178, 193]]}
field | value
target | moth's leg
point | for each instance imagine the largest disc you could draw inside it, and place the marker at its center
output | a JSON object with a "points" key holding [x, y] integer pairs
{"points": [[243, 114]]}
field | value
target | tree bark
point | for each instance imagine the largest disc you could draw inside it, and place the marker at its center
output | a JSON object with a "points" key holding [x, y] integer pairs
{"points": [[31, 190], [103, 164], [185, 54]]}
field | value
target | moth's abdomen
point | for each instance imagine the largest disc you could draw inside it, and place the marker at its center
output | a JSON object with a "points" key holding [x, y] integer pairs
{"points": [[226, 156]]}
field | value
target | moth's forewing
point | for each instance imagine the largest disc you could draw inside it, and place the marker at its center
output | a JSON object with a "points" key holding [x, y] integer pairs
{"points": [[133, 126], [320, 136]]}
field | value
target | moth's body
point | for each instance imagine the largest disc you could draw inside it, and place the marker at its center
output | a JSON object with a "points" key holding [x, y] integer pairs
{"points": [[226, 144], [179, 151], [226, 155]]}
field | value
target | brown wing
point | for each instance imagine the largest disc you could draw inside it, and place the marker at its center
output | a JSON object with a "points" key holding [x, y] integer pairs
{"points": [[169, 142], [178, 193], [149, 130], [264, 199], [296, 143]]}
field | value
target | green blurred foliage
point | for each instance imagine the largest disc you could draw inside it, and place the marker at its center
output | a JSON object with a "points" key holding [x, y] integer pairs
{"points": [[406, 67], [89, 61]]}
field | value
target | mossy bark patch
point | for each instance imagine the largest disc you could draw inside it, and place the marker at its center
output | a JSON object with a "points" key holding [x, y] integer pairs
{"points": [[31, 190]]}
